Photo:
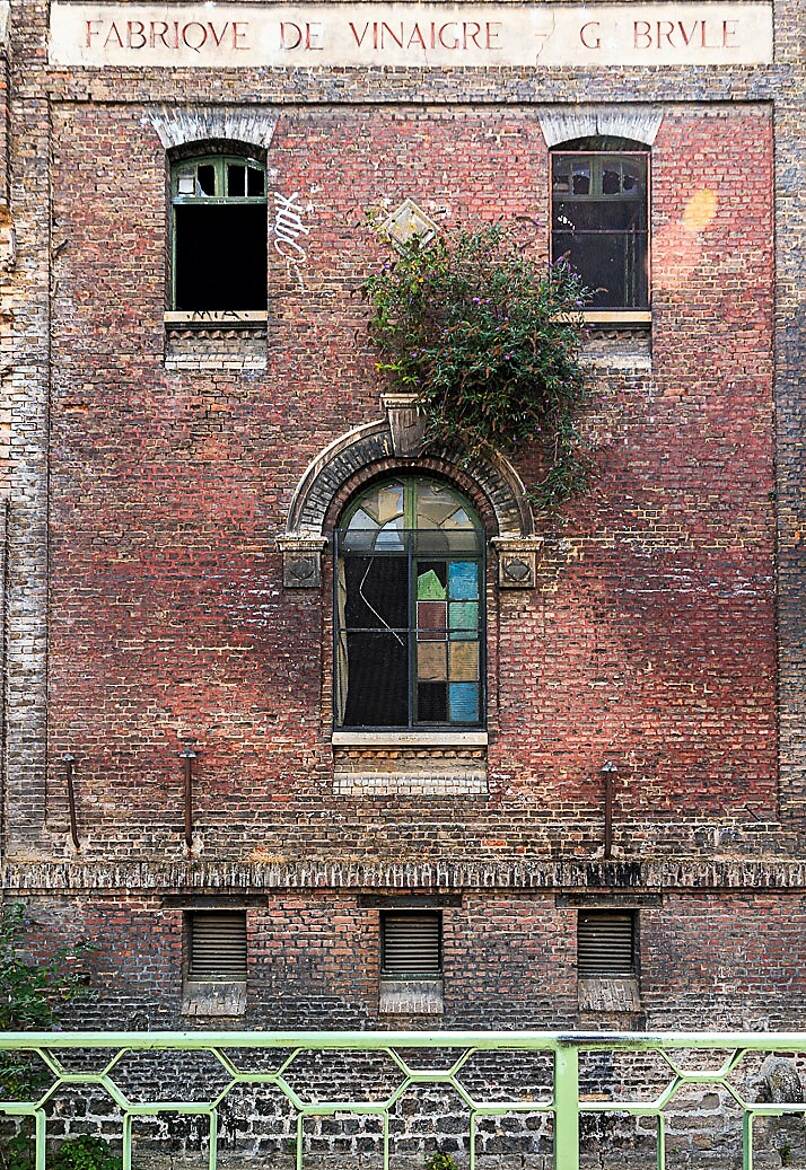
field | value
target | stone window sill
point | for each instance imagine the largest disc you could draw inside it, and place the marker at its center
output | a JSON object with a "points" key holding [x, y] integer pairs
{"points": [[410, 997], [214, 998], [219, 319], [609, 995], [410, 739], [614, 318]]}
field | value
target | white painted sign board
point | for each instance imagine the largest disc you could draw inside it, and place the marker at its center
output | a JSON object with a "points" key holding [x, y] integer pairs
{"points": [[339, 35]]}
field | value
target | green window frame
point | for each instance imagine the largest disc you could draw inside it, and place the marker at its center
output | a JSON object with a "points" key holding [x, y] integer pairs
{"points": [[409, 604], [218, 233]]}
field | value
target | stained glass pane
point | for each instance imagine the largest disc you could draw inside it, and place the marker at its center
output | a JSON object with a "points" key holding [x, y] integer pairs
{"points": [[431, 585], [384, 503], [436, 502], [431, 620], [463, 702], [464, 619], [463, 580], [464, 661], [391, 535], [432, 661]]}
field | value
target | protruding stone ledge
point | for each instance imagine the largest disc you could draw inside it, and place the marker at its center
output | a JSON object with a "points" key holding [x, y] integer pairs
{"points": [[661, 874]]}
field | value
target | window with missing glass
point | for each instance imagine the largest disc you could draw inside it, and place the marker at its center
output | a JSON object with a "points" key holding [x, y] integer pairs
{"points": [[409, 590], [600, 218], [219, 231]]}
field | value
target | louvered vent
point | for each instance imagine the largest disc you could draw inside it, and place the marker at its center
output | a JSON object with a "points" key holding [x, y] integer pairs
{"points": [[411, 945], [217, 945], [606, 943]]}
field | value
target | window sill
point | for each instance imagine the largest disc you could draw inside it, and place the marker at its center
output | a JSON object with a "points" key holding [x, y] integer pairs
{"points": [[214, 998], [615, 317], [412, 739], [410, 997], [216, 319], [603, 994]]}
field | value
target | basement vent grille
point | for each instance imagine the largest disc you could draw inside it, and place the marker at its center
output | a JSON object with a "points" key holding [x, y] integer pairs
{"points": [[411, 945], [606, 943], [217, 943]]}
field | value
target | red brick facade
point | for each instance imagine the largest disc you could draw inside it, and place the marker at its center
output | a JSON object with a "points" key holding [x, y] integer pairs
{"points": [[150, 473]]}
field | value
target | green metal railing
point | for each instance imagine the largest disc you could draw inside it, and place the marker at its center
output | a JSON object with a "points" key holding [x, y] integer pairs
{"points": [[565, 1103]]}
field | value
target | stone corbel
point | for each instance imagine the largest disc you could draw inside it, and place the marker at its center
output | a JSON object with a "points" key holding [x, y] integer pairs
{"points": [[406, 424], [516, 560], [302, 560]]}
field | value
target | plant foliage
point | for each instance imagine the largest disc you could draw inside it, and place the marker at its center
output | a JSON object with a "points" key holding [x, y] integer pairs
{"points": [[440, 1161], [489, 340], [32, 996]]}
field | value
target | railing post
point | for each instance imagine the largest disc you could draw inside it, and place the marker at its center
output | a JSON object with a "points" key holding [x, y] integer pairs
{"points": [[566, 1108]]}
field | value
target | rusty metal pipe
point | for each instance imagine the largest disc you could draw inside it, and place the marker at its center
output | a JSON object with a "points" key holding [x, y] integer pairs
{"points": [[188, 756], [69, 760], [609, 773]]}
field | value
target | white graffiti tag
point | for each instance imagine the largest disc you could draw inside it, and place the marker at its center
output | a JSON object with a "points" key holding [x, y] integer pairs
{"points": [[288, 227]]}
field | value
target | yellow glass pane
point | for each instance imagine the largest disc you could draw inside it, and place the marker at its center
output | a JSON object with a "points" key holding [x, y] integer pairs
{"points": [[464, 661], [431, 662]]}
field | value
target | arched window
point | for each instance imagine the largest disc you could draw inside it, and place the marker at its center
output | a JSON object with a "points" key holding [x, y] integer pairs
{"points": [[409, 608], [600, 217], [218, 204]]}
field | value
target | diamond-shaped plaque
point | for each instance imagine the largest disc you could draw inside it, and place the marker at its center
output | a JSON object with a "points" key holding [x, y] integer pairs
{"points": [[409, 222]]}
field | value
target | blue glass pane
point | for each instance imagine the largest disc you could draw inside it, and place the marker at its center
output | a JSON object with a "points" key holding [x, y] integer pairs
{"points": [[463, 580], [464, 619], [464, 702]]}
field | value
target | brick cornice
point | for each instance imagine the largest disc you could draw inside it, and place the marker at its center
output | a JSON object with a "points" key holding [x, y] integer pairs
{"points": [[663, 874]]}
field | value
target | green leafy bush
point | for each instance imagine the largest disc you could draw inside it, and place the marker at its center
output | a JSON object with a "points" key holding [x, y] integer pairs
{"points": [[440, 1161], [80, 1153], [32, 996], [489, 340]]}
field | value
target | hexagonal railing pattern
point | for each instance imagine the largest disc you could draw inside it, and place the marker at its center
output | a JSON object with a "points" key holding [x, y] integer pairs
{"points": [[564, 1103]]}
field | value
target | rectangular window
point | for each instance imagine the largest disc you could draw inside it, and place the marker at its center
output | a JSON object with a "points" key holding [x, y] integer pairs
{"points": [[600, 224], [411, 944], [216, 945], [606, 944], [219, 230]]}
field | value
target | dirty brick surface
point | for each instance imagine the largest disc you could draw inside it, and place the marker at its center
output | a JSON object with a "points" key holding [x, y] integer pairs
{"points": [[149, 470]]}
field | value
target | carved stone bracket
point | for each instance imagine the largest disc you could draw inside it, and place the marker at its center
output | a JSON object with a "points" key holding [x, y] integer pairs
{"points": [[406, 424], [302, 560], [516, 560]]}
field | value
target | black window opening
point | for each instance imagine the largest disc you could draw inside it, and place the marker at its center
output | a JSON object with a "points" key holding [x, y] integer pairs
{"points": [[216, 945], [606, 944], [411, 944], [600, 219], [219, 234], [409, 608]]}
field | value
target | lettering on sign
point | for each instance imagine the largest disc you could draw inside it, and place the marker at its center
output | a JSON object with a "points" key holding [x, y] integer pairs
{"points": [[408, 34]]}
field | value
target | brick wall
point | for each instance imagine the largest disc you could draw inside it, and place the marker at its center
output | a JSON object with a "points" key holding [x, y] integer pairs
{"points": [[650, 639]]}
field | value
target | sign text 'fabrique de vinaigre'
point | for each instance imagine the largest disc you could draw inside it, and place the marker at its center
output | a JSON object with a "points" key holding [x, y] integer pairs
{"points": [[419, 35]]}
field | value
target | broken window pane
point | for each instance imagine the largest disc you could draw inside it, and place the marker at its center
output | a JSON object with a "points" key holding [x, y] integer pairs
{"points": [[255, 182], [236, 179], [206, 180], [220, 257]]}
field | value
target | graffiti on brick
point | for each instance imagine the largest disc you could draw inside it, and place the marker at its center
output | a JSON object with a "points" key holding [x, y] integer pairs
{"points": [[287, 229]]}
